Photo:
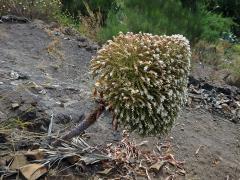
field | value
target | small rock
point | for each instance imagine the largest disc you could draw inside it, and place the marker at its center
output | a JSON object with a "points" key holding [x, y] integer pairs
{"points": [[53, 25], [43, 91], [83, 45], [71, 88], [95, 47], [81, 39], [225, 107], [12, 18], [92, 47], [53, 86], [21, 76], [1, 83], [57, 33], [1, 21], [15, 105], [14, 75], [235, 120], [88, 48], [237, 103], [60, 104], [66, 38]]}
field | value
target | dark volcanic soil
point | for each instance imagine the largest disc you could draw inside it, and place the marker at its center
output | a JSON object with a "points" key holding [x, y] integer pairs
{"points": [[44, 72]]}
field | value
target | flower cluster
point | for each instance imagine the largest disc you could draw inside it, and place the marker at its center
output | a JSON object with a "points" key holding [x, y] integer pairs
{"points": [[143, 77]]}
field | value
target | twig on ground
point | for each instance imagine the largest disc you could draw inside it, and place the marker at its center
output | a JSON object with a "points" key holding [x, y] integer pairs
{"points": [[50, 126], [197, 151]]}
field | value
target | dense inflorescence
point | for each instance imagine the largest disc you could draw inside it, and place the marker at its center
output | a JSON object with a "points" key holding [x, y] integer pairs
{"points": [[143, 77]]}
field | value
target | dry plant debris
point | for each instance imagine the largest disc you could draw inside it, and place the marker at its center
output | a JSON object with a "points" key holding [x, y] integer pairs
{"points": [[123, 160], [224, 101]]}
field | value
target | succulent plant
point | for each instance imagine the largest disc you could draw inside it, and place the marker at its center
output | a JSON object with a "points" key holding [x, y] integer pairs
{"points": [[143, 78]]}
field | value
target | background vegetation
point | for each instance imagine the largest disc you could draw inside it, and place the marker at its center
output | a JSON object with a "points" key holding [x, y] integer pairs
{"points": [[206, 23], [195, 19], [43, 9]]}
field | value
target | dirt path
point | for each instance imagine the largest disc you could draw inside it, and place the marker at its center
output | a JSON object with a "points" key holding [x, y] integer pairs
{"points": [[45, 72]]}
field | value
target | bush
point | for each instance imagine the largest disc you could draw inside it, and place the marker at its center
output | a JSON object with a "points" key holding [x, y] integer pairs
{"points": [[143, 78], [213, 25], [165, 17], [74, 7], [232, 65], [228, 9], [43, 9]]}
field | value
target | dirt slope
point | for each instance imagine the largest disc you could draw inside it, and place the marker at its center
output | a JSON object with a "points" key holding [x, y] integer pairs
{"points": [[44, 72]]}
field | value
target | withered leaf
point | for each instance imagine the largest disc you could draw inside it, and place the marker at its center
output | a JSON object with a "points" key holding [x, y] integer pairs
{"points": [[33, 171]]}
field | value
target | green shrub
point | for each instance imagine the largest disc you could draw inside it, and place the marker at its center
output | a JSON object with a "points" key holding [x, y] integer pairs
{"points": [[213, 25], [143, 78], [233, 68], [74, 7], [165, 17], [116, 22], [229, 9], [65, 19], [232, 65], [44, 9], [236, 48]]}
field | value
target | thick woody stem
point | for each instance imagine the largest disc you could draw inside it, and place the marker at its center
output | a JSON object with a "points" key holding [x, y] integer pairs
{"points": [[82, 126]]}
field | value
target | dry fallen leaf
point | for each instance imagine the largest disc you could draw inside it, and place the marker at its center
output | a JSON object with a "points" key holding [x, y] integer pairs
{"points": [[5, 160], [33, 171], [35, 154], [18, 161], [93, 158], [197, 151], [157, 166], [105, 171]]}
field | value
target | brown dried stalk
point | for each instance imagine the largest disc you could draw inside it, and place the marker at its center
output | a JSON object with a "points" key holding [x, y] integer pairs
{"points": [[82, 126]]}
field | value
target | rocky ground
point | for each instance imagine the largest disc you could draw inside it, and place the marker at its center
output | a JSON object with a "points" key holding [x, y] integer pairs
{"points": [[44, 74]]}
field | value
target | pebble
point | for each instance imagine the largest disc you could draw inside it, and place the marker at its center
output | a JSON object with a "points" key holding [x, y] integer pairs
{"points": [[15, 105], [83, 45], [66, 38], [81, 39], [57, 33], [14, 75]]}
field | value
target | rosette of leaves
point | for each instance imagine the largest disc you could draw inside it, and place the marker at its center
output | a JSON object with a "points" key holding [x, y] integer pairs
{"points": [[143, 78]]}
